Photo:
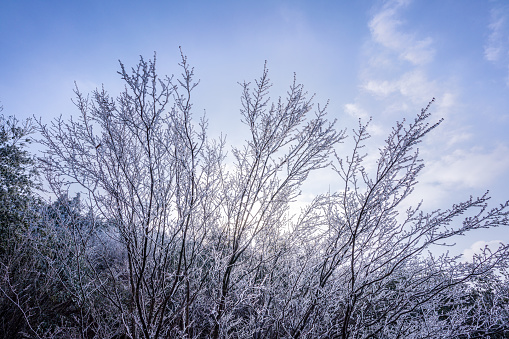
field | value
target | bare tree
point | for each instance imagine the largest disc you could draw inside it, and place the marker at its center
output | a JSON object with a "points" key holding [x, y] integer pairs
{"points": [[150, 173], [182, 243], [371, 276], [285, 145]]}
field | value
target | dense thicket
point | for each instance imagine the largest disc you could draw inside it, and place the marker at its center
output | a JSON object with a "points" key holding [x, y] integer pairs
{"points": [[172, 238]]}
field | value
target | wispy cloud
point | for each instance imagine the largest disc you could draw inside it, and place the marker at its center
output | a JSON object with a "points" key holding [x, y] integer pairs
{"points": [[386, 29], [400, 74], [398, 57], [395, 73], [496, 48], [413, 85], [473, 168]]}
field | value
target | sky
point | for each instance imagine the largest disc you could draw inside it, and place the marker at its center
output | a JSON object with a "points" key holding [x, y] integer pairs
{"points": [[379, 59]]}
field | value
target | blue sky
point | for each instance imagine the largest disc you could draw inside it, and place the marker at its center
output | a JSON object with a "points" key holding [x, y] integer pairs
{"points": [[384, 59]]}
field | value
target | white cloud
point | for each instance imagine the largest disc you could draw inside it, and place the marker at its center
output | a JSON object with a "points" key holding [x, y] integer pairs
{"points": [[355, 111], [477, 248], [416, 86], [458, 137], [413, 85], [386, 29], [381, 88], [474, 168]]}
